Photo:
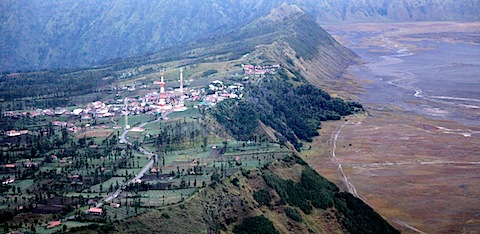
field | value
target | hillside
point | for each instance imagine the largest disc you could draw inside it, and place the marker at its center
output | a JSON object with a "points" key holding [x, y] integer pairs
{"points": [[284, 197], [71, 34]]}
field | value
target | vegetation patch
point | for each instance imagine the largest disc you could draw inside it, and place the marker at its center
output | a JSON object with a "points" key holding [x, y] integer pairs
{"points": [[315, 191], [209, 72], [262, 196], [312, 190], [295, 112], [359, 217], [293, 214], [255, 225]]}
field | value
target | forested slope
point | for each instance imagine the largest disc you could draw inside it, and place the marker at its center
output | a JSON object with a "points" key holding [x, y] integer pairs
{"points": [[288, 101]]}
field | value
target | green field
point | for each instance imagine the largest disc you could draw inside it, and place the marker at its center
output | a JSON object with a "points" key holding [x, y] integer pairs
{"points": [[106, 184], [134, 120]]}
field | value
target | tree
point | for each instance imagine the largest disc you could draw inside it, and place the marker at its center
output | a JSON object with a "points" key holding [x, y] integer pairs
{"points": [[205, 142], [257, 225]]}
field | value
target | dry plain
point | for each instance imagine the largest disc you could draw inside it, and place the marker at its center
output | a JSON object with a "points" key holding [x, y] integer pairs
{"points": [[421, 172]]}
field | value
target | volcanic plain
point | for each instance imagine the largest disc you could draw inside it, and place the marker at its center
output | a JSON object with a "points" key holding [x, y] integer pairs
{"points": [[419, 170]]}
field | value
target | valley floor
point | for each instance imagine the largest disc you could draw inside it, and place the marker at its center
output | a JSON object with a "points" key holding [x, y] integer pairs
{"points": [[417, 169]]}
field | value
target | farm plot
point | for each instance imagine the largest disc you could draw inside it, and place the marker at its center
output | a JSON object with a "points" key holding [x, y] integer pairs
{"points": [[123, 212], [95, 133], [108, 185], [166, 197]]}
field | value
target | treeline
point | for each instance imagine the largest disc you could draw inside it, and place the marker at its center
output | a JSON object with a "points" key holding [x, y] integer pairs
{"points": [[54, 84], [255, 225], [296, 112], [240, 118], [312, 190], [315, 191]]}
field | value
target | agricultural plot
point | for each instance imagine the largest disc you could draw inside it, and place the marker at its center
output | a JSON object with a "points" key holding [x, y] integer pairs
{"points": [[58, 229], [85, 195], [134, 120], [126, 172], [166, 197], [95, 133], [123, 212], [189, 115], [108, 185], [24, 184]]}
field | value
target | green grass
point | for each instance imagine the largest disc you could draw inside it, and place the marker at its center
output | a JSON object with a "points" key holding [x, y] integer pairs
{"points": [[106, 184], [121, 213], [155, 197], [24, 184], [121, 172], [188, 114], [134, 120]]}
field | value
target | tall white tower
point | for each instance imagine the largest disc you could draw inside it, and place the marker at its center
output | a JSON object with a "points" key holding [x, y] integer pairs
{"points": [[162, 99], [181, 81], [127, 126], [181, 88]]}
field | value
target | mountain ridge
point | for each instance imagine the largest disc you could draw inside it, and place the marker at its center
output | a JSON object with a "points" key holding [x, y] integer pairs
{"points": [[39, 35]]}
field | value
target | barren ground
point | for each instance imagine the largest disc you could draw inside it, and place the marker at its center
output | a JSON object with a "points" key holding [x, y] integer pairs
{"points": [[421, 174]]}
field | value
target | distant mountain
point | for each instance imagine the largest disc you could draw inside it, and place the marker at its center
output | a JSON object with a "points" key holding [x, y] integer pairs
{"points": [[38, 34], [334, 11], [49, 34]]}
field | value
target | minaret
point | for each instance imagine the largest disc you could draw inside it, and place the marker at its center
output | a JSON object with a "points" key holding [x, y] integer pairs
{"points": [[126, 113], [181, 87], [162, 100], [181, 81], [161, 97]]}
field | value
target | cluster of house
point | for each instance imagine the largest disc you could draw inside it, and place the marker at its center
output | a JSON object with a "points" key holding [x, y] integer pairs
{"points": [[260, 70], [220, 92], [150, 103], [70, 126], [95, 109]]}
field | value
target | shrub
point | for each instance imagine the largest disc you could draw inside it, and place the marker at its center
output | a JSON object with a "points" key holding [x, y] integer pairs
{"points": [[262, 197], [255, 225], [293, 214], [236, 181]]}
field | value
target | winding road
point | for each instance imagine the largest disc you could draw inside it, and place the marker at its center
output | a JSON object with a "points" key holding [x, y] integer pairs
{"points": [[124, 140]]}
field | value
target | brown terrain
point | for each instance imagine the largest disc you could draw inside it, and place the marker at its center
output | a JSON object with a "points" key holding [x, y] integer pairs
{"points": [[421, 174]]}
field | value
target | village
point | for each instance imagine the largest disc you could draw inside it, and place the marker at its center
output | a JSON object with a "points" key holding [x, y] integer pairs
{"points": [[112, 159]]}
